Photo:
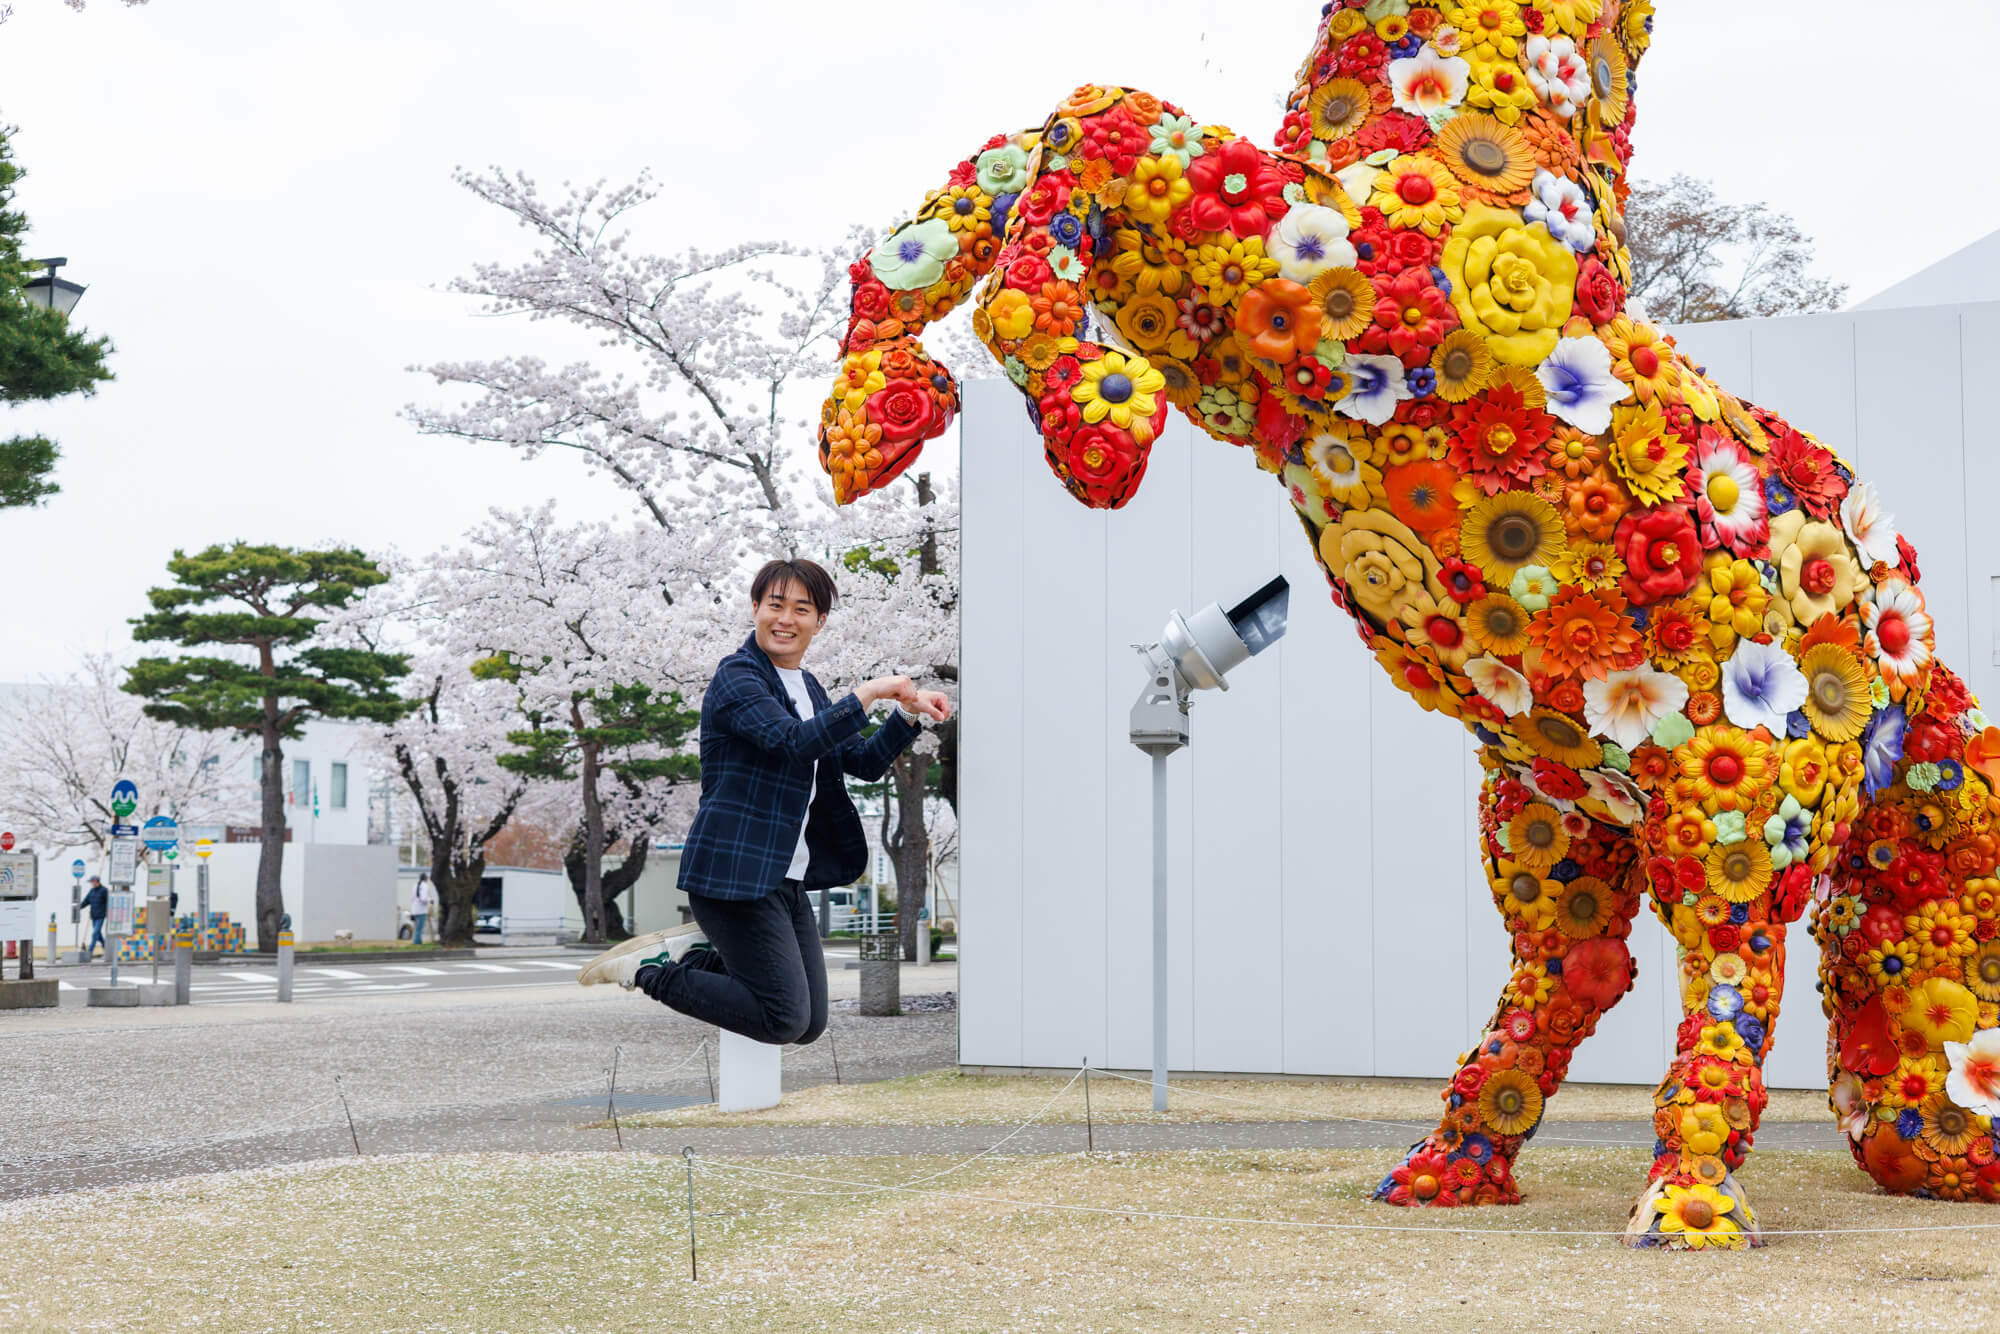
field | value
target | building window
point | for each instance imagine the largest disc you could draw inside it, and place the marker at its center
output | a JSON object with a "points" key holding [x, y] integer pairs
{"points": [[339, 786], [302, 781]]}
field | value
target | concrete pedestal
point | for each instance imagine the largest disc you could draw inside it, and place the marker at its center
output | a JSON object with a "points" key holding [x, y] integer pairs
{"points": [[122, 995], [34, 994], [156, 993], [751, 1075]]}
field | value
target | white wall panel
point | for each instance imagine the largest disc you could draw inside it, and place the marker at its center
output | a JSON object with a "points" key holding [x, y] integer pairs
{"points": [[1328, 915]]}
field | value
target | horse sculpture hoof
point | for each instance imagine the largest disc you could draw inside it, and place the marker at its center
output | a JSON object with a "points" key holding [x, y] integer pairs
{"points": [[1693, 1217]]}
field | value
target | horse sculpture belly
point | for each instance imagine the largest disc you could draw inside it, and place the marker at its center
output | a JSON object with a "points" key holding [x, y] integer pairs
{"points": [[1689, 638]]}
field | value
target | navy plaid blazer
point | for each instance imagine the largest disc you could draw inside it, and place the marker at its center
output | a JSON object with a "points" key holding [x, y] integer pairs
{"points": [[758, 765]]}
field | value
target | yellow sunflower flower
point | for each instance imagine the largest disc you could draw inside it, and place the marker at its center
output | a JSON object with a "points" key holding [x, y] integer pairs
{"points": [[1584, 908], [1337, 108], [1591, 564], [1463, 365], [1510, 1103], [1536, 838], [1504, 532], [1521, 891], [1725, 768], [1494, 162], [1498, 624], [1641, 358], [1741, 871], [1837, 700], [1346, 301], [1553, 733], [1700, 1216], [1982, 973]]}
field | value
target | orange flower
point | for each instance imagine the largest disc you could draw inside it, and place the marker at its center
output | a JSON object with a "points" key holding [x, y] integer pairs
{"points": [[1596, 504], [1278, 319], [1419, 494], [1584, 632], [1058, 309]]}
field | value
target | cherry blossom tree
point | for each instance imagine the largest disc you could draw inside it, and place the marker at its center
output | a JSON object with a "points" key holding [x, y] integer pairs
{"points": [[571, 619], [1696, 257], [64, 742]]}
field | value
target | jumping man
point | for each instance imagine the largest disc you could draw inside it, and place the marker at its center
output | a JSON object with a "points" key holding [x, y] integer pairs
{"points": [[774, 823]]}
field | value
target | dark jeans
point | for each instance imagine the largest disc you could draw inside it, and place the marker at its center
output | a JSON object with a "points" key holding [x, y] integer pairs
{"points": [[765, 976], [96, 938]]}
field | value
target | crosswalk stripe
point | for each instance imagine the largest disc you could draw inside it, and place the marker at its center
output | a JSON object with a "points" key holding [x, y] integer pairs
{"points": [[490, 967], [549, 963], [340, 974], [415, 969]]}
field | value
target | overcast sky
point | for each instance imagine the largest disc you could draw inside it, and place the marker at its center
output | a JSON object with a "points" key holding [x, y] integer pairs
{"points": [[259, 194]]}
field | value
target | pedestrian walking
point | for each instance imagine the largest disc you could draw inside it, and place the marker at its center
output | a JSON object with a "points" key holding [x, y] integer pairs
{"points": [[422, 899], [98, 900], [774, 823]]}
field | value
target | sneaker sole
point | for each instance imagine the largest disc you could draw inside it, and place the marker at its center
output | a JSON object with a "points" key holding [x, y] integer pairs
{"points": [[604, 967]]}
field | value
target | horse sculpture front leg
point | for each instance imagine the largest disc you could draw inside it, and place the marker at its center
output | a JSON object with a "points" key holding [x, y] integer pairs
{"points": [[1564, 884]]}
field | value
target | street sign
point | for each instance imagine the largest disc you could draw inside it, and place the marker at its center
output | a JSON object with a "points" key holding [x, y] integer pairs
{"points": [[7, 841], [161, 833], [203, 847], [124, 831], [17, 875], [76, 868], [124, 863], [124, 797]]}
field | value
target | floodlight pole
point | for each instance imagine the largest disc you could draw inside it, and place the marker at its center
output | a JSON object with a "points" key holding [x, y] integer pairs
{"points": [[1159, 726]]}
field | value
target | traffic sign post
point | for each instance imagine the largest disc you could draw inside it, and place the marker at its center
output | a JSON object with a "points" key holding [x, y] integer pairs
{"points": [[161, 833], [123, 867]]}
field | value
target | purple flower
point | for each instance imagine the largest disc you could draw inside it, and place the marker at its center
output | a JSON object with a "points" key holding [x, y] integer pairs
{"points": [[1881, 747]]}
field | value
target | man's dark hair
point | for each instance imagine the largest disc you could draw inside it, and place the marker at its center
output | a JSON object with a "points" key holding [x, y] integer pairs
{"points": [[817, 583]]}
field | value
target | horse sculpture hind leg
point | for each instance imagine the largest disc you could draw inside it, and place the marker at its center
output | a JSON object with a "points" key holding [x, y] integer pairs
{"points": [[1565, 885]]}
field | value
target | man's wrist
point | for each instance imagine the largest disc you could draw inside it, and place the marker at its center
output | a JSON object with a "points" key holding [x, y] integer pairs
{"points": [[912, 718]]}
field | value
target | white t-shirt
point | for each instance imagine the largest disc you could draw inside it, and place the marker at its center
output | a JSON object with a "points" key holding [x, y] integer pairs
{"points": [[795, 686]]}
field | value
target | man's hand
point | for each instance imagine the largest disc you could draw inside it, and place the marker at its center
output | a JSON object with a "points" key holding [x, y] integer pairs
{"points": [[899, 688], [932, 704]]}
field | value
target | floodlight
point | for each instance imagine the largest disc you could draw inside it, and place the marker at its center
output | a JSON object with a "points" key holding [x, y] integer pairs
{"points": [[1193, 653]]}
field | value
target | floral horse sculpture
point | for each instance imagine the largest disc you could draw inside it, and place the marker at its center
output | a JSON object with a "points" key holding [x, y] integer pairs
{"points": [[1689, 638]]}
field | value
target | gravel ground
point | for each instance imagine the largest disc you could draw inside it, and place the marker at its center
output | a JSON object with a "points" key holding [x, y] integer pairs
{"points": [[96, 1097], [1156, 1242]]}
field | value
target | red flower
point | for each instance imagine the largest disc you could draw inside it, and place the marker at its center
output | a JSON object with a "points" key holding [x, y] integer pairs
{"points": [[1559, 780], [1597, 971], [1105, 465], [1421, 1180], [871, 300], [1463, 582], [1277, 428], [1028, 272], [1598, 295], [1394, 129], [1867, 1049], [966, 172], [1928, 739], [1662, 554], [1724, 938], [1363, 53], [1689, 874], [1915, 878], [1115, 138], [1948, 695], [906, 411], [1909, 555], [1411, 316], [1497, 439], [1807, 471], [1380, 248], [1236, 189], [1307, 377], [1788, 899], [1048, 197]]}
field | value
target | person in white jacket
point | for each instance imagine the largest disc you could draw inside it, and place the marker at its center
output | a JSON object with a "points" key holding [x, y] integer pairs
{"points": [[422, 899]]}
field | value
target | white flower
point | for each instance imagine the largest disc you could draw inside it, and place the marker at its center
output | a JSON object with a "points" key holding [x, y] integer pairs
{"points": [[1428, 82], [1619, 795], [1850, 1104], [1558, 74], [1561, 205], [1358, 179], [1731, 494], [1974, 1081], [1378, 387], [1898, 629], [1500, 685], [1580, 385], [1871, 528], [1625, 705], [1761, 685], [1308, 240]]}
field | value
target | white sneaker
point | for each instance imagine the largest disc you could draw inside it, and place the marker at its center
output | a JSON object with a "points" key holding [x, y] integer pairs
{"points": [[622, 962]]}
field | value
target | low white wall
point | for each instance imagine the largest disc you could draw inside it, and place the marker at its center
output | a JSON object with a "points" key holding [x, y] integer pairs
{"points": [[1327, 911]]}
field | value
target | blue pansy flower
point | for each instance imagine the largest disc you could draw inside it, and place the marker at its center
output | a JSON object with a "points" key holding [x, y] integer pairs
{"points": [[1778, 498], [1881, 747], [1066, 228]]}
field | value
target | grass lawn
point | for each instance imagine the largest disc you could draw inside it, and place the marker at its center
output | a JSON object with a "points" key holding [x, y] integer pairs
{"points": [[599, 1242], [946, 1097]]}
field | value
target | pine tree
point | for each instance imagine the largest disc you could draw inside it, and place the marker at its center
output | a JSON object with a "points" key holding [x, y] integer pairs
{"points": [[278, 678], [41, 356]]}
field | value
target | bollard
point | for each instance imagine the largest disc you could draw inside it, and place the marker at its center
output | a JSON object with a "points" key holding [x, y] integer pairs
{"points": [[751, 1074], [284, 966], [881, 965], [183, 967], [52, 940]]}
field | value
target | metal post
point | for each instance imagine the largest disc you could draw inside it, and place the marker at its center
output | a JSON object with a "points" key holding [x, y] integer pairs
{"points": [[201, 896], [183, 967], [284, 966], [1159, 931], [52, 940]]}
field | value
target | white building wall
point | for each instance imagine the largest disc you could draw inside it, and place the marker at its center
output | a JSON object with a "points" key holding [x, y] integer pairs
{"points": [[1327, 913]]}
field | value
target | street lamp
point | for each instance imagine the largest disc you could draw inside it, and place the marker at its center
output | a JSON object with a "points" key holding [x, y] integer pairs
{"points": [[1192, 653], [53, 292]]}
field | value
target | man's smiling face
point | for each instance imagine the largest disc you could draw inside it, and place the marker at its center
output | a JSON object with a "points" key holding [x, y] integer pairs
{"points": [[787, 620]]}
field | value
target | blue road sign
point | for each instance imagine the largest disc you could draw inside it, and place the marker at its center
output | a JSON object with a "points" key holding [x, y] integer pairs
{"points": [[124, 831], [76, 868], [162, 834], [124, 797]]}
